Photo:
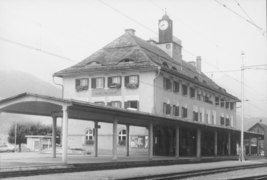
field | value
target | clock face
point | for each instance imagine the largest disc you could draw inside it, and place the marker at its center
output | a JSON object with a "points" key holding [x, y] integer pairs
{"points": [[163, 25]]}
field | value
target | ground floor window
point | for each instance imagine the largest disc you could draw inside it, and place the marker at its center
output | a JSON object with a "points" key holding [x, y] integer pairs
{"points": [[89, 137], [122, 137]]}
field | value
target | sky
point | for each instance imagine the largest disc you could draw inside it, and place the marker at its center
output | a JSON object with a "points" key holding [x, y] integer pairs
{"points": [[41, 37]]}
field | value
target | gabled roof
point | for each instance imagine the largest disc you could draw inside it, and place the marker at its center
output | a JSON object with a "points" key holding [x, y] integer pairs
{"points": [[261, 125], [129, 52]]}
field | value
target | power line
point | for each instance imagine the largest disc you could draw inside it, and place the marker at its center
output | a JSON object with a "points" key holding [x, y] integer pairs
{"points": [[247, 20], [244, 11], [35, 49], [137, 22]]}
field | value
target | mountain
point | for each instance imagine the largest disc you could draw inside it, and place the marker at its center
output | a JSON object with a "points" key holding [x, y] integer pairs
{"points": [[16, 82], [249, 122]]}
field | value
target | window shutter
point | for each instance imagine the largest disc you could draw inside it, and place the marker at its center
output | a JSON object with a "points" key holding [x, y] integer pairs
{"points": [[137, 85], [109, 81], [93, 86], [103, 82], [77, 83], [126, 104], [164, 108], [137, 103], [126, 81]]}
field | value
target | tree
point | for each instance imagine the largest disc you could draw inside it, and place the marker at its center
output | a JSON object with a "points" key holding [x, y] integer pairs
{"points": [[24, 129]]}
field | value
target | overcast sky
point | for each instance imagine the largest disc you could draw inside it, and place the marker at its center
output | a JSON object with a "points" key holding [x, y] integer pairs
{"points": [[44, 36]]}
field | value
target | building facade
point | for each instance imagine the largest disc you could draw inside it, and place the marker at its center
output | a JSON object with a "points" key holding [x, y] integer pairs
{"points": [[151, 76]]}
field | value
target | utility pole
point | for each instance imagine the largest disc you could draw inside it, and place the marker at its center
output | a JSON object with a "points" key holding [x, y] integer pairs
{"points": [[242, 107], [15, 136]]}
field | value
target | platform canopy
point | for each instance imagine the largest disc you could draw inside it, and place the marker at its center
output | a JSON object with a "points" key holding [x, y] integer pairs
{"points": [[41, 105]]}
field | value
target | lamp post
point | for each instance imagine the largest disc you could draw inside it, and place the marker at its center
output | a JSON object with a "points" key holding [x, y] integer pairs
{"points": [[242, 108]]}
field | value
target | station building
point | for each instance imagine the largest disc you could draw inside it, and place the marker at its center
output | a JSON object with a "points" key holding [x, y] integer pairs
{"points": [[152, 77]]}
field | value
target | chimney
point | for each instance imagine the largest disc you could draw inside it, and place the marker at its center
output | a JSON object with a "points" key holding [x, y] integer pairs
{"points": [[130, 31], [198, 64]]}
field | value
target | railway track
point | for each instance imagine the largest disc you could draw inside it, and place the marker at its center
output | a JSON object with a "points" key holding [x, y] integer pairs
{"points": [[189, 174], [90, 167]]}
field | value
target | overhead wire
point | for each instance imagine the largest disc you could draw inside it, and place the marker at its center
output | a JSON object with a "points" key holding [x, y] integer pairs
{"points": [[35, 49], [247, 20], [137, 22]]}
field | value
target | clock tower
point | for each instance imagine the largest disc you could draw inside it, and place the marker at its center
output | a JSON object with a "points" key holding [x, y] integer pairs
{"points": [[165, 30]]}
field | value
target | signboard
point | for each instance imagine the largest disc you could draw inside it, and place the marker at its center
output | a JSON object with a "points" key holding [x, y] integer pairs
{"points": [[106, 92]]}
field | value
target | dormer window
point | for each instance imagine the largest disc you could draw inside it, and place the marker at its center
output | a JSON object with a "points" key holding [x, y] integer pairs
{"points": [[94, 63], [127, 60], [174, 68], [132, 82], [165, 65], [114, 82], [81, 84]]}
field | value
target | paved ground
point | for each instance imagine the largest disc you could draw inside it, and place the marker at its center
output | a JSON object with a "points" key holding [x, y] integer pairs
{"points": [[146, 171], [28, 161]]}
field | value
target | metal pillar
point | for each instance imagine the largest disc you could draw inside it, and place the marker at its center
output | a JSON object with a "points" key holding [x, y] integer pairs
{"points": [[229, 143], [249, 146], [54, 136], [258, 146], [65, 134], [198, 143], [96, 139], [115, 140], [242, 108], [127, 140], [177, 142], [215, 143], [150, 149]]}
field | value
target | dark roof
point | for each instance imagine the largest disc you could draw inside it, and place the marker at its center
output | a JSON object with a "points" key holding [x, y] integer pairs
{"points": [[263, 126], [129, 52], [104, 113]]}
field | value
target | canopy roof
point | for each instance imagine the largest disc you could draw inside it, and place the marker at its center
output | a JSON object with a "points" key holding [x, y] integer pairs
{"points": [[41, 105]]}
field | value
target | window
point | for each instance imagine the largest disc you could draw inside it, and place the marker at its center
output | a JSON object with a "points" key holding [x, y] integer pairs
{"points": [[98, 83], [184, 112], [176, 86], [176, 110], [217, 101], [184, 87], [232, 105], [100, 103], [114, 82], [195, 116], [89, 137], [212, 119], [131, 82], [166, 108], [227, 122], [122, 137], [222, 120], [192, 92], [200, 116], [199, 94], [222, 102], [81, 84], [167, 84], [131, 105], [207, 118], [227, 104], [116, 104]]}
